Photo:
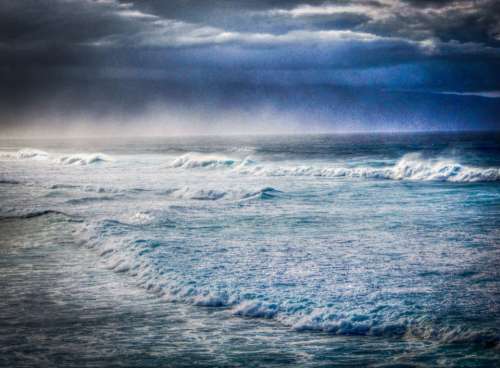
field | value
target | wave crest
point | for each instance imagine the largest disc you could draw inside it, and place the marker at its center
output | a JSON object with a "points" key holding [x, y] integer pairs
{"points": [[195, 160], [256, 309], [71, 159], [84, 159], [373, 324], [410, 167], [135, 257], [26, 154], [216, 194]]}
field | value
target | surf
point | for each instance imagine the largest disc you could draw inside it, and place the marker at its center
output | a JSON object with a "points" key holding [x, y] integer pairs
{"points": [[81, 159], [411, 166]]}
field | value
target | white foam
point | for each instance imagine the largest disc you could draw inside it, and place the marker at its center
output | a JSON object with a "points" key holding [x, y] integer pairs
{"points": [[414, 167], [131, 257], [141, 218], [256, 309], [198, 160], [409, 167], [84, 159], [25, 154], [30, 153], [217, 194], [373, 324], [67, 159]]}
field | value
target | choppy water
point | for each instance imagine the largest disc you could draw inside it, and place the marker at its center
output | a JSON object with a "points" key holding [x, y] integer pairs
{"points": [[268, 251]]}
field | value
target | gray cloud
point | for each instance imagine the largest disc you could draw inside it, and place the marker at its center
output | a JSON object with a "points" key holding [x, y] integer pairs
{"points": [[166, 51]]}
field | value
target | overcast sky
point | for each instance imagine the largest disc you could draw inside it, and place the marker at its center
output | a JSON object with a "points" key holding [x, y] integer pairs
{"points": [[186, 66]]}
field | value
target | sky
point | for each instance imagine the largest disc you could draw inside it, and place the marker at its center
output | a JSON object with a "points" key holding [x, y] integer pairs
{"points": [[150, 67]]}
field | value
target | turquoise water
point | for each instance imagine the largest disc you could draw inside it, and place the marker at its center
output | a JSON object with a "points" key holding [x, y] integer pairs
{"points": [[262, 251]]}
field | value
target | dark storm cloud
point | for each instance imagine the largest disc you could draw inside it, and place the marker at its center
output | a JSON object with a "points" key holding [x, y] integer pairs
{"points": [[248, 23], [198, 52]]}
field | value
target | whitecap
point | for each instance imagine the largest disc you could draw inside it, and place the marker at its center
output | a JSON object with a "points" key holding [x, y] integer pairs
{"points": [[256, 309], [410, 167], [211, 161], [84, 159]]}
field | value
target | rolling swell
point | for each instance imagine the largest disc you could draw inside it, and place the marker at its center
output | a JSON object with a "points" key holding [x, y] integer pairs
{"points": [[85, 200], [35, 214], [9, 182]]}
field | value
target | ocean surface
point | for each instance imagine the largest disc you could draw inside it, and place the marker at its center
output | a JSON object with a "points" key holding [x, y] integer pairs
{"points": [[312, 251]]}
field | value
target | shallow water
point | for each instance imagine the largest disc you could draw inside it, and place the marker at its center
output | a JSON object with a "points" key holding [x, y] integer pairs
{"points": [[260, 251]]}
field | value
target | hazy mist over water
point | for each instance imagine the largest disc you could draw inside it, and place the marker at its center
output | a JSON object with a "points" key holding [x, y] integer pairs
{"points": [[252, 110]]}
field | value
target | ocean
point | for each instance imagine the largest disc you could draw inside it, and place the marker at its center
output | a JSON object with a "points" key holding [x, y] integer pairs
{"points": [[310, 251]]}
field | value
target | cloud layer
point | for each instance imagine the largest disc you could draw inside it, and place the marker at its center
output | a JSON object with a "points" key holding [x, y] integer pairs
{"points": [[224, 49]]}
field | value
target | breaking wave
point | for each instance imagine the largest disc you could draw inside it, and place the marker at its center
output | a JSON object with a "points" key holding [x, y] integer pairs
{"points": [[135, 258], [84, 159], [25, 154], [256, 309], [72, 159], [96, 189], [374, 323], [410, 167], [414, 167], [214, 194], [195, 160]]}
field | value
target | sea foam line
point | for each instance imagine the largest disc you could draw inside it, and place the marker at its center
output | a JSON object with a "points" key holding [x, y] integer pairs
{"points": [[411, 166], [135, 258], [66, 159]]}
